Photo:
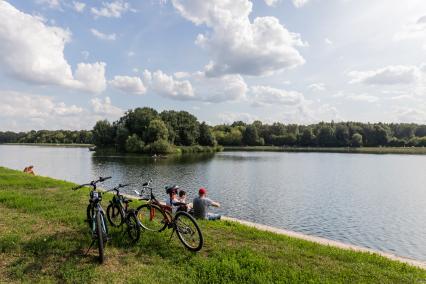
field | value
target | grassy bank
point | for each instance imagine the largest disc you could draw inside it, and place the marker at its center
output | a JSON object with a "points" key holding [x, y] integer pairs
{"points": [[43, 238], [51, 144], [366, 150]]}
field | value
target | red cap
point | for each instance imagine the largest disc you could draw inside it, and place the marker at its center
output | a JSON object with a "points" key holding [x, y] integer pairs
{"points": [[202, 191]]}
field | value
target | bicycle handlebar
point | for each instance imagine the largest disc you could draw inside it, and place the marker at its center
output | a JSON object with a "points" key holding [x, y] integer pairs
{"points": [[92, 183]]}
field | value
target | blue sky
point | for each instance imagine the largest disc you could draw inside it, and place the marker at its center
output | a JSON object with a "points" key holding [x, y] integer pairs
{"points": [[66, 64]]}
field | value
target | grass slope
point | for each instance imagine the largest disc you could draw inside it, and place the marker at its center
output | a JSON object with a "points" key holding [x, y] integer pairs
{"points": [[43, 238]]}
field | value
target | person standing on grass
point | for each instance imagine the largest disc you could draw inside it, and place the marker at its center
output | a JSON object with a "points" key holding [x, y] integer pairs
{"points": [[201, 205]]}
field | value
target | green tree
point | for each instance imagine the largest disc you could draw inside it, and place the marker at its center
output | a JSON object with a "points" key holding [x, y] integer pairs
{"points": [[138, 120], [134, 144], [326, 136], [157, 130], [206, 136], [250, 136], [103, 133], [356, 140], [307, 138]]}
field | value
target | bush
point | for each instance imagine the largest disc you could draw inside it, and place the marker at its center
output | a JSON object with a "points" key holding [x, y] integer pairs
{"points": [[159, 147], [134, 144]]}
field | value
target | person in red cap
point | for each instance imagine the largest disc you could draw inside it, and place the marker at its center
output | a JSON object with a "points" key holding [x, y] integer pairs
{"points": [[201, 205]]}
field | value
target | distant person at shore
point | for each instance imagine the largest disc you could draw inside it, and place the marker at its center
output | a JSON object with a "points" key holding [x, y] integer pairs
{"points": [[29, 170], [201, 205]]}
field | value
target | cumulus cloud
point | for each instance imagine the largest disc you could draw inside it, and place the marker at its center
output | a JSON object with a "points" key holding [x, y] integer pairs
{"points": [[22, 111], [91, 77], [112, 9], [105, 108], [34, 52], [78, 6], [409, 115], [266, 95], [103, 36], [127, 84], [237, 44], [196, 86], [328, 41], [389, 75]]}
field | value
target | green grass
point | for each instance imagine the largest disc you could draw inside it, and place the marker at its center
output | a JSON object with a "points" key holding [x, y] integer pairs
{"points": [[43, 238], [365, 150]]}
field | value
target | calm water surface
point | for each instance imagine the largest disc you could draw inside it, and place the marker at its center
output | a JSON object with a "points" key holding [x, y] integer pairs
{"points": [[375, 201]]}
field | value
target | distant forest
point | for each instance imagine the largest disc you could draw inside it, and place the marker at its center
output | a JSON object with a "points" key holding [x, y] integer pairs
{"points": [[146, 130]]}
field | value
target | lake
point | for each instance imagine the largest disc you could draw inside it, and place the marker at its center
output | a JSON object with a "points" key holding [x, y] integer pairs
{"points": [[374, 201]]}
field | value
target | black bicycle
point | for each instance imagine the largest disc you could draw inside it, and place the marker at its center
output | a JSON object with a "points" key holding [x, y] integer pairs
{"points": [[156, 217], [118, 213], [96, 217]]}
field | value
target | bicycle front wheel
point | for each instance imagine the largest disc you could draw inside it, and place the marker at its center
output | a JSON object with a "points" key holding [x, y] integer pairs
{"points": [[188, 231], [100, 236], [151, 217]]}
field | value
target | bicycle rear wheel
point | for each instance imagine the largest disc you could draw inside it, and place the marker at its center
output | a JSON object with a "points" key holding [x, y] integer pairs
{"points": [[151, 217], [188, 231], [114, 215], [133, 228]]}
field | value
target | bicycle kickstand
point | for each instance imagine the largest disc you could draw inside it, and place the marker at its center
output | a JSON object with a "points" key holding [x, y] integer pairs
{"points": [[93, 241]]}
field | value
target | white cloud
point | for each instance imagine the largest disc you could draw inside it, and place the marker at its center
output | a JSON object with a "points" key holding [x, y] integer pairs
{"points": [[413, 30], [22, 112], [129, 84], [52, 4], [237, 45], [91, 77], [328, 41], [319, 87], [196, 86], [271, 3], [390, 75], [363, 98], [103, 36], [299, 3], [85, 54], [265, 95], [79, 6], [104, 108], [409, 115], [230, 117], [112, 9], [36, 53], [167, 86]]}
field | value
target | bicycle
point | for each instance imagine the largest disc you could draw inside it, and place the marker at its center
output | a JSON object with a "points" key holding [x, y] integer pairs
{"points": [[118, 214], [96, 217], [156, 217]]}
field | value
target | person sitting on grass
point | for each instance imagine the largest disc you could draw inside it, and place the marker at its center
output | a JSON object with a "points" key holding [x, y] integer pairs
{"points": [[182, 199], [29, 170], [173, 203], [201, 205]]}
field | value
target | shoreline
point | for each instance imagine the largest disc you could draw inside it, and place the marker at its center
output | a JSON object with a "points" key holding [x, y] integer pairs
{"points": [[315, 239], [327, 242], [50, 145], [347, 150]]}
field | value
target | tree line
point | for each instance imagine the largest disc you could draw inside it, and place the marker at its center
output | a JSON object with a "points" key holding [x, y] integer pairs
{"points": [[48, 136], [144, 130]]}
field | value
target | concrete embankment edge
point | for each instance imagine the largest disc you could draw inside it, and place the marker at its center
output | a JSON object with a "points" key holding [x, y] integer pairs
{"points": [[327, 242]]}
